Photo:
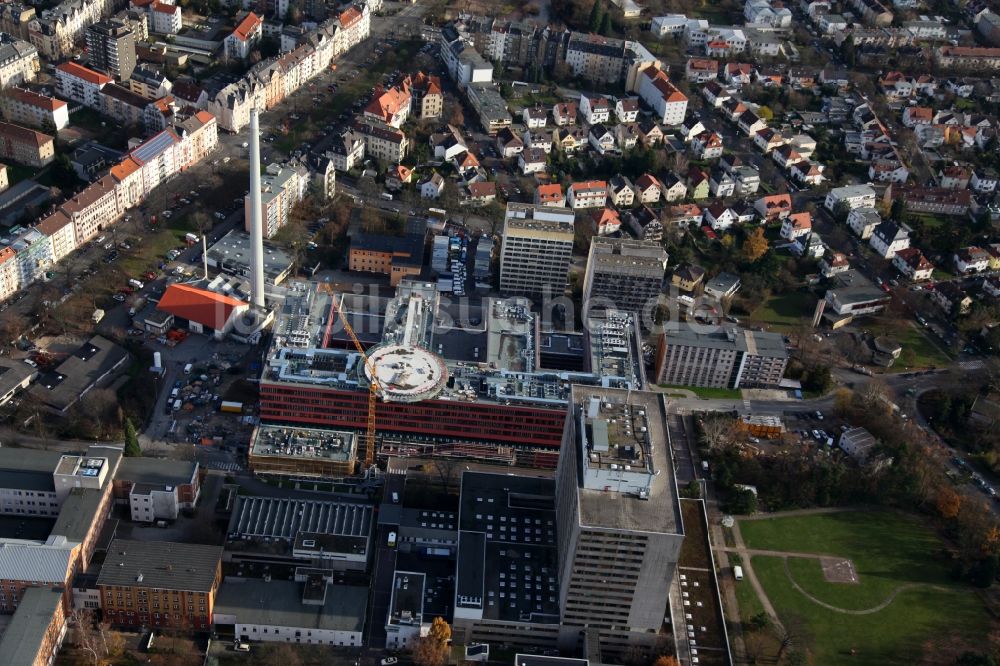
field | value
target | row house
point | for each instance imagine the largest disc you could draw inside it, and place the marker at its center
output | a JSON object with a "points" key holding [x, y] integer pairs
{"points": [[92, 210], [386, 144], [27, 107], [26, 146], [79, 84], [18, 60], [57, 29]]}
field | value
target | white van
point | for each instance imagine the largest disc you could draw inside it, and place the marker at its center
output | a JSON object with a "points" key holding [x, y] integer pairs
{"points": [[187, 369], [392, 540], [738, 572], [241, 646]]}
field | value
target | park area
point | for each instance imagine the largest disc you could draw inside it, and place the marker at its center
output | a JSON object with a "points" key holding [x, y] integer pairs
{"points": [[871, 587]]}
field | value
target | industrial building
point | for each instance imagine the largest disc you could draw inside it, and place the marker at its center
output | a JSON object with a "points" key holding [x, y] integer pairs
{"points": [[310, 533], [723, 357], [156, 488], [90, 366], [233, 254], [619, 519], [624, 275], [479, 393], [536, 251], [311, 612]]}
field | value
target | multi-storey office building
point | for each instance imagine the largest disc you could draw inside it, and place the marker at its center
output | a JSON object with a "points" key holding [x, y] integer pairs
{"points": [[623, 274], [536, 252], [724, 357]]}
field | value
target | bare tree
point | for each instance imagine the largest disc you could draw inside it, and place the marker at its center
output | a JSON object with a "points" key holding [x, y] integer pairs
{"points": [[447, 470], [718, 432]]}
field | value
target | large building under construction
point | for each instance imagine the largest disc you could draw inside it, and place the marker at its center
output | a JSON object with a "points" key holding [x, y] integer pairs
{"points": [[478, 392]]}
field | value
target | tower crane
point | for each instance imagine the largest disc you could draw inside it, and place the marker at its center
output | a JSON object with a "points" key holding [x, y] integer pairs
{"points": [[374, 388]]}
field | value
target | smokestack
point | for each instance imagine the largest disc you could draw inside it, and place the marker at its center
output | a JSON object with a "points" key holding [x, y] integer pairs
{"points": [[256, 221]]}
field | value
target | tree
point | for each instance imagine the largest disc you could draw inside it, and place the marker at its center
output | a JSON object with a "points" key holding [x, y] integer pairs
{"points": [[948, 503], [843, 401], [605, 28], [428, 652], [666, 660], [132, 448], [765, 113], [440, 631], [755, 246], [743, 501], [594, 22]]}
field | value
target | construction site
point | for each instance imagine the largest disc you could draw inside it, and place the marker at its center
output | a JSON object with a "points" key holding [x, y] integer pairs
{"points": [[390, 372]]}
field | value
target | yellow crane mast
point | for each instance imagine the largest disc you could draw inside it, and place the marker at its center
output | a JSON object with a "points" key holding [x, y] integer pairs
{"points": [[373, 387]]}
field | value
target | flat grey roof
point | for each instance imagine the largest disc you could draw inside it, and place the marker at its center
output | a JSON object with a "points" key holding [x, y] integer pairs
{"points": [[278, 603], [22, 639], [13, 459], [77, 513], [760, 343], [507, 562], [161, 564], [661, 512], [27, 480], [80, 372], [156, 471], [12, 374]]}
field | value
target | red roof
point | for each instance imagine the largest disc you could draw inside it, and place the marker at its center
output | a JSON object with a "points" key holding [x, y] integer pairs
{"points": [[34, 99], [165, 8], [247, 26], [81, 72], [204, 307]]}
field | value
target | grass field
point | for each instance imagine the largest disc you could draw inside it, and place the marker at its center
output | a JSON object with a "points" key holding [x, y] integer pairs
{"points": [[919, 351], [888, 551], [785, 312]]}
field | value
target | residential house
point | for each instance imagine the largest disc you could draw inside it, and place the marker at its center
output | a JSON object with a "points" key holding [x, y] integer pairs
{"points": [[621, 191], [750, 123], [747, 180], [647, 189], [564, 113], [605, 220], [773, 207], [721, 184], [833, 263], [707, 146], [601, 139], [690, 128], [627, 109], [535, 117], [508, 143], [568, 140], [244, 38], [701, 70], [673, 187], [768, 139], [697, 183], [390, 107], [531, 161], [626, 136], [715, 95], [668, 103], [972, 260], [595, 108], [852, 196], [917, 115], [806, 173], [587, 194], [687, 277], [481, 192], [650, 133], [798, 224], [888, 238], [863, 221], [738, 73], [432, 187], [397, 176], [719, 216], [951, 298], [912, 263], [685, 215], [983, 180], [785, 156], [550, 195], [954, 177], [809, 245]]}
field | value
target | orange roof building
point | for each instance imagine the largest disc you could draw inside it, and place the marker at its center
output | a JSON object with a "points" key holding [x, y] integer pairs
{"points": [[200, 310], [392, 107]]}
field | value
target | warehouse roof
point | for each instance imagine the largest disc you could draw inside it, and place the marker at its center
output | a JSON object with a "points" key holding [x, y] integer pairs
{"points": [[199, 305], [278, 603], [23, 639]]}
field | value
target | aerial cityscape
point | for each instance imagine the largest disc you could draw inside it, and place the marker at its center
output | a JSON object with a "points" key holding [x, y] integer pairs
{"points": [[534, 333]]}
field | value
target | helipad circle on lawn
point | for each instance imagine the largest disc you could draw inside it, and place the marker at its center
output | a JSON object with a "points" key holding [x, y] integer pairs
{"points": [[407, 373]]}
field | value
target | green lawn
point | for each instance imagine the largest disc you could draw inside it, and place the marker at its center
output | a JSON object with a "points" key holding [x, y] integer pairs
{"points": [[888, 550], [786, 312], [919, 350], [708, 393]]}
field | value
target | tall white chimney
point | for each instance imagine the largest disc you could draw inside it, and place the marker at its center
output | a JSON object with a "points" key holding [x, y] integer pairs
{"points": [[256, 218]]}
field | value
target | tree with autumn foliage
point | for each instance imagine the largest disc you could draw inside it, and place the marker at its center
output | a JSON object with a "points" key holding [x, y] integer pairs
{"points": [[948, 503], [666, 660], [432, 649], [755, 246]]}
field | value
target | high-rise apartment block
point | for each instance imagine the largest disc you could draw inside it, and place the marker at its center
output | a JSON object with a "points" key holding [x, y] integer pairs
{"points": [[725, 357], [111, 48], [618, 517], [537, 248], [624, 275]]}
